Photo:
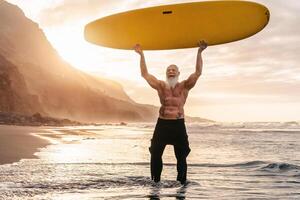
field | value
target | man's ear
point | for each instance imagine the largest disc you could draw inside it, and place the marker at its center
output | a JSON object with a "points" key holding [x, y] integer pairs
{"points": [[178, 73]]}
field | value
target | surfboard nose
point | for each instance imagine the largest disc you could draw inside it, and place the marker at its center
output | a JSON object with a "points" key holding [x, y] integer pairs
{"points": [[89, 34]]}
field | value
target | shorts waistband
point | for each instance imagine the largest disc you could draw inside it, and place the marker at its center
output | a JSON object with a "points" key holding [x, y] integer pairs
{"points": [[170, 121]]}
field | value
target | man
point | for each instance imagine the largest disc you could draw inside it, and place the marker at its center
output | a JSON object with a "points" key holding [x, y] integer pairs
{"points": [[170, 127]]}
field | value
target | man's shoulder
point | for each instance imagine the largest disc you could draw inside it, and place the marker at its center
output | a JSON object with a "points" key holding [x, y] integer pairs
{"points": [[182, 83], [162, 83]]}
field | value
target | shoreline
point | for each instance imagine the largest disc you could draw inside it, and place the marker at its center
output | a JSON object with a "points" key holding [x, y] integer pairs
{"points": [[20, 142]]}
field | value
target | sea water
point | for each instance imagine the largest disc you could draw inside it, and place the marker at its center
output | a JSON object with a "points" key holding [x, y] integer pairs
{"points": [[227, 161]]}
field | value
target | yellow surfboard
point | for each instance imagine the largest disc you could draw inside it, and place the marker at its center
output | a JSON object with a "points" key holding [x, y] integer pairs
{"points": [[179, 25]]}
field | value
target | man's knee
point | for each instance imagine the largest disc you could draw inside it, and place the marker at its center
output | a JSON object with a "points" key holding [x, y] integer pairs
{"points": [[182, 152], [156, 148]]}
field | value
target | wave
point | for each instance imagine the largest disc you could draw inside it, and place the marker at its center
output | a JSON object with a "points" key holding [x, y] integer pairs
{"points": [[245, 126], [291, 131], [280, 167], [242, 164], [261, 165]]}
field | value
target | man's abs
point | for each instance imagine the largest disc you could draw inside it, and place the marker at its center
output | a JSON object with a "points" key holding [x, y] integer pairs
{"points": [[167, 112]]}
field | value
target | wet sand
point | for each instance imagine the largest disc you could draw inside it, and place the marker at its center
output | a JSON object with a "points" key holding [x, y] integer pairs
{"points": [[17, 142]]}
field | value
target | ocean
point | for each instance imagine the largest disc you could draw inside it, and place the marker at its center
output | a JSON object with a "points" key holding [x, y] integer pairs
{"points": [[228, 161]]}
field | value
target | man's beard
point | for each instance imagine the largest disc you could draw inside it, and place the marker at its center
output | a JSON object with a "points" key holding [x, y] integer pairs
{"points": [[172, 81]]}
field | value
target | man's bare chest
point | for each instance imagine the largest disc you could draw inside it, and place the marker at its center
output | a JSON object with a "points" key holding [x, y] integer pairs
{"points": [[173, 94]]}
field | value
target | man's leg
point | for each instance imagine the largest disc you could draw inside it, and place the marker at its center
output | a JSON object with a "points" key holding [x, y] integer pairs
{"points": [[156, 151], [181, 153]]}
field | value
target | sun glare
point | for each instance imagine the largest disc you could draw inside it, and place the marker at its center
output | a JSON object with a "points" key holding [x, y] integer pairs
{"points": [[91, 58]]}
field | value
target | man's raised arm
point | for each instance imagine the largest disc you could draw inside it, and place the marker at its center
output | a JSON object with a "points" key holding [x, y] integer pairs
{"points": [[153, 82], [191, 81]]}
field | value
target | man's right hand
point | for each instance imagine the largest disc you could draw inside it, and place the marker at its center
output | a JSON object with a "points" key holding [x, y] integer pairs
{"points": [[202, 45], [138, 49]]}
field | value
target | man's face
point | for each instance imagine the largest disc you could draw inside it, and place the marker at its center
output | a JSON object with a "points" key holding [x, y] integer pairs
{"points": [[172, 71]]}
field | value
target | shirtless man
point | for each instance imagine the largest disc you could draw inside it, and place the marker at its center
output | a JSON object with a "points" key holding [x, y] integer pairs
{"points": [[170, 127]]}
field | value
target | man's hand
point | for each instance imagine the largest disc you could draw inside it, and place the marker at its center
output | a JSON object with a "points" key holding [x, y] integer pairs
{"points": [[191, 81], [138, 49], [202, 45]]}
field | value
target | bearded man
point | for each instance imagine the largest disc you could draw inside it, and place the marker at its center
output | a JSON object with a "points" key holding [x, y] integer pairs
{"points": [[170, 126]]}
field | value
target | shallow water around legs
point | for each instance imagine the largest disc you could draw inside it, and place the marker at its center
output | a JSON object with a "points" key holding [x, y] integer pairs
{"points": [[227, 161]]}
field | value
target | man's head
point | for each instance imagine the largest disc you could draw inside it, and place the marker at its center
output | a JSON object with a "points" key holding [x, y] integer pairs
{"points": [[172, 75], [172, 71]]}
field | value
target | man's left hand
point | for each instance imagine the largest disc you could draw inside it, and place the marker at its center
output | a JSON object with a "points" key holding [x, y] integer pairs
{"points": [[202, 45]]}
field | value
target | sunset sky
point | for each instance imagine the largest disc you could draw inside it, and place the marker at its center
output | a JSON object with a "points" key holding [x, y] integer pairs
{"points": [[255, 79]]}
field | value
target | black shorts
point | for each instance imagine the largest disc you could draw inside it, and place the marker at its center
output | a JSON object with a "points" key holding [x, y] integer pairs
{"points": [[171, 132]]}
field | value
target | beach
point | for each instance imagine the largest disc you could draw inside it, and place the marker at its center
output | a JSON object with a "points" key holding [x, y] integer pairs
{"points": [[17, 142], [227, 161]]}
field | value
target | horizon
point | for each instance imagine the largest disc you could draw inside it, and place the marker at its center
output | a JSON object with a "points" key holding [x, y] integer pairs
{"points": [[245, 78]]}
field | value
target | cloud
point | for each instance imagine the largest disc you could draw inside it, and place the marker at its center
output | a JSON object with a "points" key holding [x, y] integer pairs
{"points": [[70, 11]]}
